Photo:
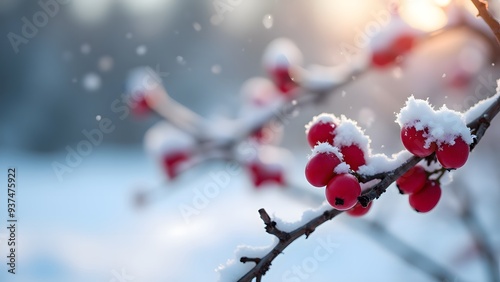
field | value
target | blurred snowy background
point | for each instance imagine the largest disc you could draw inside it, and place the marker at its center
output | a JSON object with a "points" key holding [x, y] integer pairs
{"points": [[84, 227]]}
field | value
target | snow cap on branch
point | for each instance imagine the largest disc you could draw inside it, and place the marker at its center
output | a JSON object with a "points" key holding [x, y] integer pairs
{"points": [[282, 52], [141, 80], [164, 138], [234, 269], [481, 106]]}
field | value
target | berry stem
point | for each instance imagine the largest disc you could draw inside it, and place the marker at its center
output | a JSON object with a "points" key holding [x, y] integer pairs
{"points": [[478, 126]]}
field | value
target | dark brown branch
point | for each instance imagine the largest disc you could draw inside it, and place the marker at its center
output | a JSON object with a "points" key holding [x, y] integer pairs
{"points": [[481, 123], [376, 191], [371, 194], [478, 127], [262, 267], [482, 9], [271, 226]]}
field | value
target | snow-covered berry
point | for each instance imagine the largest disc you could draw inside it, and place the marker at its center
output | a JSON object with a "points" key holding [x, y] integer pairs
{"points": [[320, 168], [261, 174], [453, 156], [415, 141]]}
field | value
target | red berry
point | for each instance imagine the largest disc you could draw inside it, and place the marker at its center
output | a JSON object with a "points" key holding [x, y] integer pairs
{"points": [[139, 105], [453, 156], [172, 161], [414, 141], [460, 79], [353, 156], [383, 58], [342, 191], [412, 181], [403, 44], [262, 174], [359, 210], [321, 132], [282, 78], [319, 169], [427, 198]]}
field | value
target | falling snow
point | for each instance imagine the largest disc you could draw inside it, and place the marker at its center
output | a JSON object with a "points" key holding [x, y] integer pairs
{"points": [[91, 82], [105, 63], [141, 50], [268, 21], [180, 60], [197, 26]]}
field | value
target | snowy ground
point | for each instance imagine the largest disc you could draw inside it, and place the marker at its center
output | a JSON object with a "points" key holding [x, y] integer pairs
{"points": [[85, 228]]}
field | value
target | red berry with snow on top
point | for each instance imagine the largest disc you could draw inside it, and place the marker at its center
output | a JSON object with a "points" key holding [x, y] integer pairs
{"points": [[427, 198], [172, 161], [321, 132], [412, 181], [399, 46], [403, 43], [280, 59], [320, 168], [139, 104], [383, 58], [359, 210], [353, 156], [261, 174], [414, 141], [342, 191], [453, 156], [282, 78]]}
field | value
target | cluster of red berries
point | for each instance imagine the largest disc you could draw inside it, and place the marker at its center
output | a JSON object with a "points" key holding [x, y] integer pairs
{"points": [[451, 155], [424, 193], [425, 131], [399, 46], [330, 163]]}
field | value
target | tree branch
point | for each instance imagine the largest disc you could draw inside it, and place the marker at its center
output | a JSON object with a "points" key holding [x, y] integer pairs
{"points": [[478, 125], [482, 8], [263, 265]]}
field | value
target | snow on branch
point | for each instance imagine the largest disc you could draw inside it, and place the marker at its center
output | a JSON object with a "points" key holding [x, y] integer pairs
{"points": [[478, 126]]}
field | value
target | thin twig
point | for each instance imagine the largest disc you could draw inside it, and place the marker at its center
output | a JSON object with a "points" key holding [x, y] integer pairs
{"points": [[306, 229], [482, 8], [371, 194]]}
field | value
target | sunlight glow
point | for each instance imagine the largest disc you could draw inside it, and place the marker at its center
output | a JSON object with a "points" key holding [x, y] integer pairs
{"points": [[145, 6], [424, 15], [332, 13], [442, 3], [90, 12]]}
